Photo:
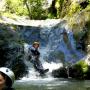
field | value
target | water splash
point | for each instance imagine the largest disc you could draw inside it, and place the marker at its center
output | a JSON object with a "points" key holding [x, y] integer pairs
{"points": [[33, 75], [52, 66]]}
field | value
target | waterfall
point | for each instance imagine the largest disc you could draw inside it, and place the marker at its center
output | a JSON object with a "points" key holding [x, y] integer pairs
{"points": [[33, 75], [57, 44]]}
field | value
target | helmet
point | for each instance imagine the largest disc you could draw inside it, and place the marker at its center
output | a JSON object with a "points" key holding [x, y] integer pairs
{"points": [[8, 73], [36, 43]]}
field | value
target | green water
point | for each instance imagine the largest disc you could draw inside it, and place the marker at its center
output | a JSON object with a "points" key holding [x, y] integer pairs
{"points": [[54, 84]]}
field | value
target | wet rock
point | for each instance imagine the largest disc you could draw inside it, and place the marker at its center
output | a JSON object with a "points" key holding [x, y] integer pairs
{"points": [[87, 76], [81, 70], [11, 51], [60, 73], [76, 72]]}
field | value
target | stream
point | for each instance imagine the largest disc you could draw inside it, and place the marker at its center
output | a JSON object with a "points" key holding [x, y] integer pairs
{"points": [[52, 84]]}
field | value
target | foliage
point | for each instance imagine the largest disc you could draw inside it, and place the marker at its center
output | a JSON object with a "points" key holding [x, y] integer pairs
{"points": [[16, 6], [74, 8], [31, 8], [83, 65], [68, 8], [65, 8], [34, 8], [80, 70]]}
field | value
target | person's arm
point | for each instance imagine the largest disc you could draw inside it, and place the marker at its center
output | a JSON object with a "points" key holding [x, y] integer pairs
{"points": [[37, 54], [29, 53]]}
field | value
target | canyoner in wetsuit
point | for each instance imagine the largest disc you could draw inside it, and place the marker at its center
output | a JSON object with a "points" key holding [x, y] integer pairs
{"points": [[34, 55]]}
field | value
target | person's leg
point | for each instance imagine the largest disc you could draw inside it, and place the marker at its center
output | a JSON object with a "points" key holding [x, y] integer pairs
{"points": [[38, 67], [39, 64]]}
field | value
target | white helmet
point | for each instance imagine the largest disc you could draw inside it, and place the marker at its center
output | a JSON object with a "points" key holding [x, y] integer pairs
{"points": [[36, 43], [8, 73]]}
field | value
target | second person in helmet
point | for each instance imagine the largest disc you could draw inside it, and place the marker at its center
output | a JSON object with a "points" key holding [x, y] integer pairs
{"points": [[34, 58], [6, 79]]}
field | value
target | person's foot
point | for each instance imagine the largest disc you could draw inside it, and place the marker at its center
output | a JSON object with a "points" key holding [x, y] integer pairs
{"points": [[43, 72], [46, 70]]}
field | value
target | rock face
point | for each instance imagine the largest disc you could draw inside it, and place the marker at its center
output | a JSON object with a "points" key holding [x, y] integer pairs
{"points": [[11, 51], [77, 13], [58, 40]]}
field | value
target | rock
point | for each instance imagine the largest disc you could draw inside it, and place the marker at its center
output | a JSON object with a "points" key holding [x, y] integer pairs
{"points": [[80, 70], [76, 72], [88, 74], [11, 51], [60, 73]]}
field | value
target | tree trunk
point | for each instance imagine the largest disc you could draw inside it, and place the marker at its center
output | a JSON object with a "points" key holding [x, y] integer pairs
{"points": [[28, 8]]}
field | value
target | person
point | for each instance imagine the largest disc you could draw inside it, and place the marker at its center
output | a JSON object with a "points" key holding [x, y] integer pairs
{"points": [[34, 55], [7, 78]]}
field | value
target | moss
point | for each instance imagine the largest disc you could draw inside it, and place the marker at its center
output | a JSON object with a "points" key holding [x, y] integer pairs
{"points": [[78, 21], [83, 65], [80, 70]]}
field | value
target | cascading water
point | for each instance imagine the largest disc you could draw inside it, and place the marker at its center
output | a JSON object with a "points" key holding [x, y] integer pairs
{"points": [[33, 75], [57, 47]]}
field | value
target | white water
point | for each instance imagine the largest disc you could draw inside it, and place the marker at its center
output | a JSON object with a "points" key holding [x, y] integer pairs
{"points": [[33, 75]]}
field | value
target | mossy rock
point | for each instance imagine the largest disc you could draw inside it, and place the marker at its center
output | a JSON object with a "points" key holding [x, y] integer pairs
{"points": [[76, 72]]}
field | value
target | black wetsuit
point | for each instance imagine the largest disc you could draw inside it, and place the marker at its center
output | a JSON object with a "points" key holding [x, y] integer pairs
{"points": [[35, 54], [34, 59]]}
